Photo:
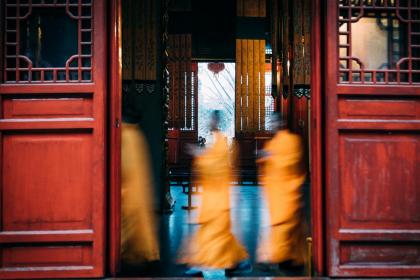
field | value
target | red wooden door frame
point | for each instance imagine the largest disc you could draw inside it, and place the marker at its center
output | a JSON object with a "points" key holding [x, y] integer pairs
{"points": [[316, 140], [317, 190], [115, 89]]}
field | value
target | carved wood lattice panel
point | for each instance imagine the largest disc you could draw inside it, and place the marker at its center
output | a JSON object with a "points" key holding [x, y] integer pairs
{"points": [[47, 41], [379, 41]]}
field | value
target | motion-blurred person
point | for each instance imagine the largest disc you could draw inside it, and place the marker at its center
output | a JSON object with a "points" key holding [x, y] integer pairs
{"points": [[139, 240], [214, 246], [283, 174]]}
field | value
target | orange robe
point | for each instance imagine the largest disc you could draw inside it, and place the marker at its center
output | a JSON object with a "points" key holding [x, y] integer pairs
{"points": [[213, 245], [282, 177], [139, 240]]}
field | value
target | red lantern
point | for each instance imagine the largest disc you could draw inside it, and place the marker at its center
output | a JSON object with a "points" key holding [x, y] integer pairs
{"points": [[216, 67]]}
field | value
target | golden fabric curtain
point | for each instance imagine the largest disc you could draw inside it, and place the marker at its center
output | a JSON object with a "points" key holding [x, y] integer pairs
{"points": [[301, 42], [295, 37], [251, 8], [183, 83], [139, 46], [250, 85]]}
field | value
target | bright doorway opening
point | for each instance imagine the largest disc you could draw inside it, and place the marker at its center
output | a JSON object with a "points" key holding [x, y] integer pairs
{"points": [[216, 91]]}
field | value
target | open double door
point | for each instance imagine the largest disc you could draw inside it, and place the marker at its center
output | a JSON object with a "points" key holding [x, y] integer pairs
{"points": [[54, 157]]}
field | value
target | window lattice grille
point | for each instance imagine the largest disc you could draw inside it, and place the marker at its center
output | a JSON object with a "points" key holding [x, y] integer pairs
{"points": [[19, 67], [379, 41]]}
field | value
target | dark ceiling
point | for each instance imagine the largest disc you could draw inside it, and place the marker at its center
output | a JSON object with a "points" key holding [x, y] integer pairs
{"points": [[211, 23]]}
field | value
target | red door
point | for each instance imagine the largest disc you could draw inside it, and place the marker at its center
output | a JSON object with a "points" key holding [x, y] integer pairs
{"points": [[372, 138], [52, 135]]}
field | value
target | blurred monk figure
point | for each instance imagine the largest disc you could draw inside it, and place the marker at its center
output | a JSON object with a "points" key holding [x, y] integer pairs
{"points": [[139, 239], [214, 246], [283, 174]]}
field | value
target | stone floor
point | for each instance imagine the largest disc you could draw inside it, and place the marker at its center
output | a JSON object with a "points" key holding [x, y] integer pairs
{"points": [[268, 278], [249, 219]]}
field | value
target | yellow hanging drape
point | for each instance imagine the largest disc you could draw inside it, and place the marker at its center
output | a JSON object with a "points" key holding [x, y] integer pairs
{"points": [[250, 85], [139, 46], [181, 82], [251, 8]]}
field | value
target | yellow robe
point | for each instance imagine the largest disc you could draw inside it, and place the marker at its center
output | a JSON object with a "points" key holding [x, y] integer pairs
{"points": [[282, 177], [213, 245], [139, 240]]}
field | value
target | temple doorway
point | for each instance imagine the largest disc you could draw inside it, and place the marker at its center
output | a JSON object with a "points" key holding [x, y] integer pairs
{"points": [[241, 65]]}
